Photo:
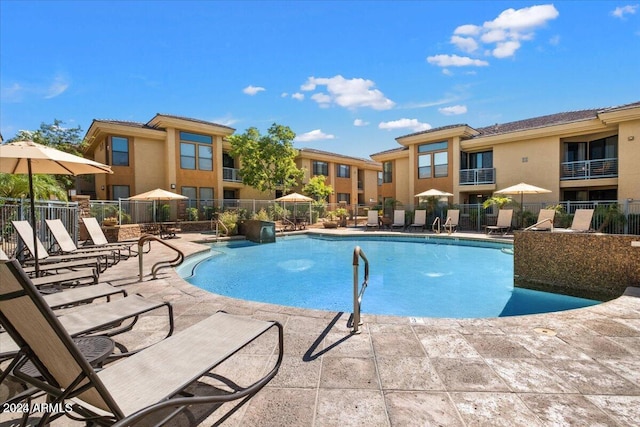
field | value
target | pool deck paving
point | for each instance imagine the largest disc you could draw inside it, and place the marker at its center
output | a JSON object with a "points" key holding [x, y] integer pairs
{"points": [[579, 367]]}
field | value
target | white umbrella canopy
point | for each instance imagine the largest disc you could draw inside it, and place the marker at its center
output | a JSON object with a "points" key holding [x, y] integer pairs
{"points": [[522, 189], [158, 194], [294, 197], [28, 157], [433, 193]]}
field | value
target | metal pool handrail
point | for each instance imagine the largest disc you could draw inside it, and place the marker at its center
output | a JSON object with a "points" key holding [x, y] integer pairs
{"points": [[161, 264], [358, 291], [433, 226]]}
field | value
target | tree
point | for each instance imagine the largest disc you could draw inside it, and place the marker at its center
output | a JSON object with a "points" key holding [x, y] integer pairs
{"points": [[57, 136], [317, 188], [17, 186], [267, 161]]}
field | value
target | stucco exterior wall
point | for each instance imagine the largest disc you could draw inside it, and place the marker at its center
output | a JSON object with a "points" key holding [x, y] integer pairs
{"points": [[588, 265], [534, 161], [401, 181], [629, 160], [151, 165]]}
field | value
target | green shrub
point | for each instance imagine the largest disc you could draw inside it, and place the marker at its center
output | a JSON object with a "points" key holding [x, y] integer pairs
{"points": [[192, 214], [261, 215], [230, 220]]}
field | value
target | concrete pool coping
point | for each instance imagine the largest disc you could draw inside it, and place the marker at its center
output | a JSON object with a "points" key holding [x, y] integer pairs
{"points": [[579, 367]]}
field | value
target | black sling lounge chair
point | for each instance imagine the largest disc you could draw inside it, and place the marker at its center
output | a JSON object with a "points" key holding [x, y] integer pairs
{"points": [[136, 387]]}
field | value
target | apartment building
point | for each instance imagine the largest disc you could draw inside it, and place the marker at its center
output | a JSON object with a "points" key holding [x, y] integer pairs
{"points": [[354, 180], [579, 155], [191, 157]]}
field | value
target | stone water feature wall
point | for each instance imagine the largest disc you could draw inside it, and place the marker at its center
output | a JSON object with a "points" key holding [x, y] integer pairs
{"points": [[588, 265]]}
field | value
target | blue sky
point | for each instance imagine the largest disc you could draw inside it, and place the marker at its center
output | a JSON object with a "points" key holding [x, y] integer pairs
{"points": [[347, 77]]}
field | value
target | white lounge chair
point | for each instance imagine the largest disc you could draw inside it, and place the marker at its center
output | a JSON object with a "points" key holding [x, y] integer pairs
{"points": [[420, 219], [398, 219], [372, 219], [503, 224], [581, 222], [451, 224], [544, 222]]}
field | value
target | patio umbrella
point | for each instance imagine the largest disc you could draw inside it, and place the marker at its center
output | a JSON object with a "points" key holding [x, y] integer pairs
{"points": [[433, 193], [296, 198], [28, 157], [523, 189], [157, 194]]}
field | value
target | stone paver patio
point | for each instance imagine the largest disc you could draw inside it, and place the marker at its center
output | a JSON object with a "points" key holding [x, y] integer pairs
{"points": [[579, 367]]}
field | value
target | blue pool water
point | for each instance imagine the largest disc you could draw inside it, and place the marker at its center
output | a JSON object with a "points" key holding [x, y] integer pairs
{"points": [[411, 277]]}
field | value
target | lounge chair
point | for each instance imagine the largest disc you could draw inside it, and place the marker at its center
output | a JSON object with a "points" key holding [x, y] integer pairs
{"points": [[25, 232], [503, 224], [98, 239], [581, 222], [453, 218], [137, 386], [62, 275], [420, 220], [109, 319], [544, 222], [65, 243], [398, 219], [372, 220]]}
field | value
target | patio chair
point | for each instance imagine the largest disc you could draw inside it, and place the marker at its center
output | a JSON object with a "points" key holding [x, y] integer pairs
{"points": [[420, 220], [503, 224], [398, 219], [581, 222], [99, 240], [453, 218], [25, 232], [65, 243], [372, 220], [137, 386], [544, 222]]}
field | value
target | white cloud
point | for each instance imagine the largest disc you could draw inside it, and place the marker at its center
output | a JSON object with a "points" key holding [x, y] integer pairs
{"points": [[620, 12], [299, 96], [501, 37], [454, 110], [506, 49], [13, 93], [360, 122], [284, 95], [347, 93], [455, 61], [412, 124], [253, 90], [57, 87], [314, 135], [466, 44], [225, 120]]}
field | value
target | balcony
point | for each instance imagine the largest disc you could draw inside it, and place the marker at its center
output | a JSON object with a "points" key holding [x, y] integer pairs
{"points": [[477, 176], [589, 169], [231, 175]]}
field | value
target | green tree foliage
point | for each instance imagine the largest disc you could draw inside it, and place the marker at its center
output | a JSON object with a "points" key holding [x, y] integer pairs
{"points": [[497, 200], [318, 188], [268, 161], [57, 136], [44, 187]]}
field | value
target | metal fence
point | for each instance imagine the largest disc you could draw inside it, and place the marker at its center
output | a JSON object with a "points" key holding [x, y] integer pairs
{"points": [[20, 210], [614, 217]]}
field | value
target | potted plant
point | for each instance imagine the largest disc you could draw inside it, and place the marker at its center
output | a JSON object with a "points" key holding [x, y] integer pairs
{"points": [[330, 220], [342, 213], [110, 221]]}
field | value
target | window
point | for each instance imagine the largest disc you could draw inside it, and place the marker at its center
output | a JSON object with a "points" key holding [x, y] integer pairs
{"points": [[481, 160], [387, 172], [190, 192], [379, 178], [187, 156], [424, 166], [229, 194], [205, 158], [120, 191], [192, 143], [119, 151], [440, 164], [344, 197], [344, 171], [433, 160], [206, 193], [320, 168], [604, 148]]}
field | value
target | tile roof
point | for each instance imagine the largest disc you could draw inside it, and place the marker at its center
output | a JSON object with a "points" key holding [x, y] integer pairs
{"points": [[433, 130], [191, 120], [328, 153], [538, 122], [124, 123]]}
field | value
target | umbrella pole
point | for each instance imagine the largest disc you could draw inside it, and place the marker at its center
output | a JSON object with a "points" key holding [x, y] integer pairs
{"points": [[33, 219]]}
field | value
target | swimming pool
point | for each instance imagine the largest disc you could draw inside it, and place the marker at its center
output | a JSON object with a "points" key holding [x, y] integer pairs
{"points": [[418, 277]]}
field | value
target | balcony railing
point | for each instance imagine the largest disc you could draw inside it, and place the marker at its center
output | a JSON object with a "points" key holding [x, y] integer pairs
{"points": [[231, 174], [477, 176], [589, 169]]}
